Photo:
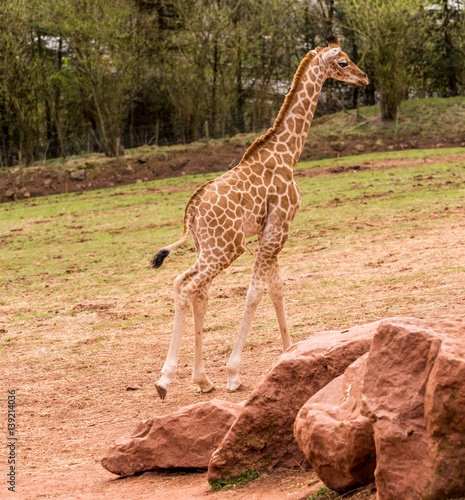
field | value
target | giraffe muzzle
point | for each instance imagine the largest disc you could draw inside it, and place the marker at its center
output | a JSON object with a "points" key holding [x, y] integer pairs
{"points": [[363, 80]]}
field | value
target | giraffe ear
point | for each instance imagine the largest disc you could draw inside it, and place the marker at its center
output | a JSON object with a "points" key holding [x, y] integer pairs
{"points": [[331, 54], [332, 41]]}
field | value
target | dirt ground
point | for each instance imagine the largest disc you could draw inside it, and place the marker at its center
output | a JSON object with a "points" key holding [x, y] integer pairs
{"points": [[75, 396], [95, 483], [98, 174]]}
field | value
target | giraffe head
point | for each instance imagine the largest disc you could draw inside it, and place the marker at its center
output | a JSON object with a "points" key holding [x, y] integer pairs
{"points": [[339, 66]]}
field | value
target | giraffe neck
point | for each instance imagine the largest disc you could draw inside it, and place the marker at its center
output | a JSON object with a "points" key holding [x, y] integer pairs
{"points": [[286, 139], [292, 129]]}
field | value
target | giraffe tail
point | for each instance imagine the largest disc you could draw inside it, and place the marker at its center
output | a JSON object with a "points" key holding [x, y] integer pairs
{"points": [[157, 260]]}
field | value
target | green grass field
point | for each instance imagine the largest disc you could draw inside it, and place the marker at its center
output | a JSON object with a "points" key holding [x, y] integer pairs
{"points": [[66, 249]]}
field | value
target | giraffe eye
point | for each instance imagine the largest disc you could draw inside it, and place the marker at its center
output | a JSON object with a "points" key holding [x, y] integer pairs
{"points": [[343, 64]]}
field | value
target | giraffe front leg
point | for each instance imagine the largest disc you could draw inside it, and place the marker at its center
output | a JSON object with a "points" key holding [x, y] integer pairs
{"points": [[253, 298], [276, 292], [271, 242], [199, 307]]}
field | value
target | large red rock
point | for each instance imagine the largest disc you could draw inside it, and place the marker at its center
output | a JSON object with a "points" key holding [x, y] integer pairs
{"points": [[262, 436], [445, 418], [183, 439], [414, 394], [335, 438]]}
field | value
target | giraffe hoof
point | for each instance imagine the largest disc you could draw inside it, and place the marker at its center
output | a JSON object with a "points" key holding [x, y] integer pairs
{"points": [[161, 391], [238, 388], [206, 391], [234, 383]]}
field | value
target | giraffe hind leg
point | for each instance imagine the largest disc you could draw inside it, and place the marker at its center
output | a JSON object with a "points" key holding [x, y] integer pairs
{"points": [[182, 296], [199, 307], [191, 285]]}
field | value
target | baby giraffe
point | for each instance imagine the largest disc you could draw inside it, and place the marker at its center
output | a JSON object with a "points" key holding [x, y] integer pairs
{"points": [[259, 198]]}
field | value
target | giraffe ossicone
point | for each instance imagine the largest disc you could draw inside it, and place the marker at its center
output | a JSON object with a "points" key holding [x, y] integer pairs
{"points": [[259, 198]]}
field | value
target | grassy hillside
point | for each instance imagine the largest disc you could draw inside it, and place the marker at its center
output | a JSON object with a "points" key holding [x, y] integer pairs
{"points": [[421, 124], [441, 119]]}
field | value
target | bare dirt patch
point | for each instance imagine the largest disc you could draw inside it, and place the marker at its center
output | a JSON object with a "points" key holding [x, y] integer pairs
{"points": [[84, 348]]}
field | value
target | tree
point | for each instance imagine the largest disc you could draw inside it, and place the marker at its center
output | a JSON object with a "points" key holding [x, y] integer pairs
{"points": [[460, 44], [222, 61], [21, 81], [450, 27], [382, 28], [195, 70], [423, 57], [104, 63], [273, 35]]}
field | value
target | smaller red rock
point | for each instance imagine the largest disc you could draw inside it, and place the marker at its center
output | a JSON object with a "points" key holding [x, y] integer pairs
{"points": [[183, 439], [335, 438]]}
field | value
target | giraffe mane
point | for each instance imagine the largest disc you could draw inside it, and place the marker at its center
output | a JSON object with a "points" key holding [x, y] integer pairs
{"points": [[261, 141]]}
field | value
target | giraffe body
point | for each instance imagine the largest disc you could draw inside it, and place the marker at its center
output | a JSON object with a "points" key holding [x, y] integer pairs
{"points": [[258, 197]]}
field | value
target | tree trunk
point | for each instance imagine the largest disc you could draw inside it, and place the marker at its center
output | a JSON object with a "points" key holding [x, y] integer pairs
{"points": [[388, 107], [88, 117], [59, 123], [240, 123], [27, 150], [214, 105], [449, 46]]}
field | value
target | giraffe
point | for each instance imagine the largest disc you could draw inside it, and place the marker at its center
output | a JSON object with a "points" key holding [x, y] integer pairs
{"points": [[259, 198]]}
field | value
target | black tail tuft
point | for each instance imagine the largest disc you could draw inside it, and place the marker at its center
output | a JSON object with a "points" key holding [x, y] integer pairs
{"points": [[158, 259]]}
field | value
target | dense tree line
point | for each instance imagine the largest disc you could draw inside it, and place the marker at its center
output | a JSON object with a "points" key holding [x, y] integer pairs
{"points": [[95, 75]]}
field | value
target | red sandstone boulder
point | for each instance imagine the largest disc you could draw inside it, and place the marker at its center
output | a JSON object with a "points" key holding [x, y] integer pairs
{"points": [[262, 436], [408, 394], [335, 438], [183, 439], [410, 388], [445, 418], [413, 392]]}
